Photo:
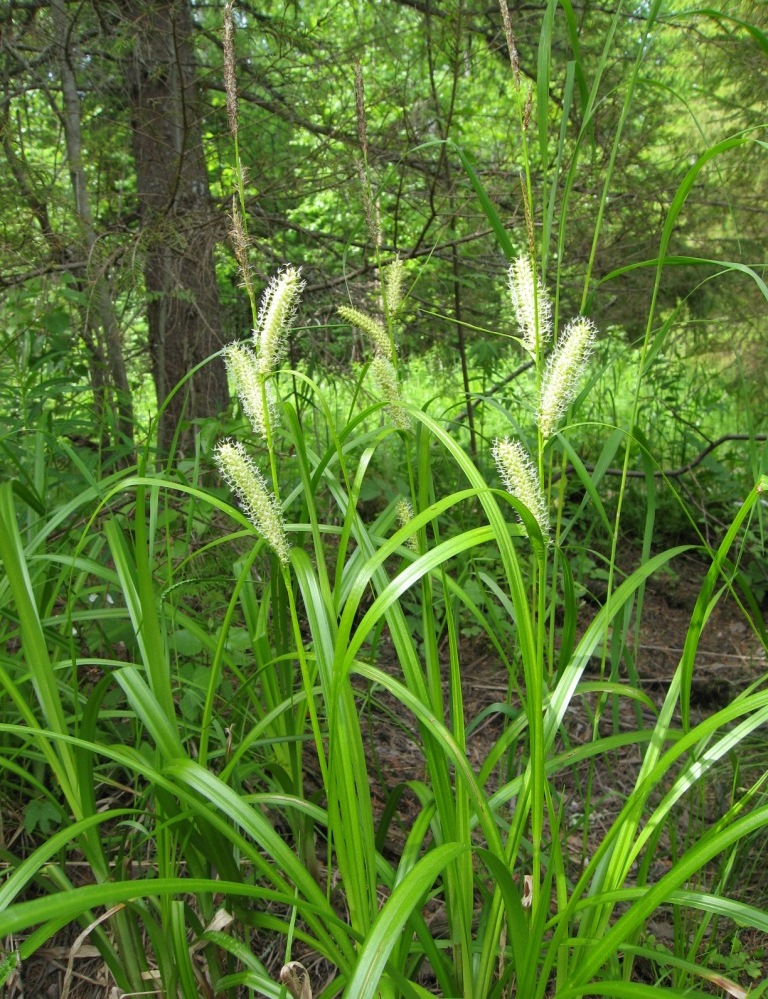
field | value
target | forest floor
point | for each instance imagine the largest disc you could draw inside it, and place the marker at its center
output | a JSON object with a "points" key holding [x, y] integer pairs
{"points": [[729, 658]]}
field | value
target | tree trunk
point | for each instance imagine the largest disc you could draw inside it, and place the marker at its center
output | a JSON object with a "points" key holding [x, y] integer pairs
{"points": [[180, 228], [101, 330]]}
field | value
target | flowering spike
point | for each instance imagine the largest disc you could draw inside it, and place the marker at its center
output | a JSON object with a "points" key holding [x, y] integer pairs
{"points": [[373, 329], [532, 305], [386, 377], [393, 285], [245, 480], [240, 243], [404, 514], [278, 308], [521, 479], [564, 370], [243, 368]]}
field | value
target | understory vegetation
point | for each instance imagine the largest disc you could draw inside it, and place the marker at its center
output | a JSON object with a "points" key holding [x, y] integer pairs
{"points": [[205, 632]]}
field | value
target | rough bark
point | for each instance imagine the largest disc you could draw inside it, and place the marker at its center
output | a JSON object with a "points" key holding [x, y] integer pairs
{"points": [[180, 228]]}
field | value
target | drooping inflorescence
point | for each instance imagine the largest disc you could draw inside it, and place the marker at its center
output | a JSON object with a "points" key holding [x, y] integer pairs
{"points": [[247, 483], [383, 343], [380, 340]]}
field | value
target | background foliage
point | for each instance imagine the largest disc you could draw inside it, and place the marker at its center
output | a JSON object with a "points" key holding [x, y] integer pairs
{"points": [[434, 76]]}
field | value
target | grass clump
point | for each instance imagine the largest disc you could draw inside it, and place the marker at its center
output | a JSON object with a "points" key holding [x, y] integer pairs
{"points": [[212, 763]]}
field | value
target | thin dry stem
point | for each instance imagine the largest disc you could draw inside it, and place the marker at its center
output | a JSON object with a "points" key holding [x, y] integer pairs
{"points": [[362, 129], [362, 164]]}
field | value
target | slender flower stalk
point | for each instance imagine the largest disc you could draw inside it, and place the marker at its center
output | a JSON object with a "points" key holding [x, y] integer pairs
{"points": [[369, 206], [278, 308], [532, 305], [521, 479], [247, 483], [563, 373]]}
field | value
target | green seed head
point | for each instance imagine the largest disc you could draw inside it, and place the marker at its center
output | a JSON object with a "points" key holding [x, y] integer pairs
{"points": [[404, 512], [393, 284], [386, 378], [373, 329]]}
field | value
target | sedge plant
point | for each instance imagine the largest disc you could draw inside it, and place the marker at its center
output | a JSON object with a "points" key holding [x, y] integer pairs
{"points": [[251, 815]]}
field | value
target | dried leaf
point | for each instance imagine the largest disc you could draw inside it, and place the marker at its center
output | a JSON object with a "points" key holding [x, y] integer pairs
{"points": [[730, 987], [295, 977], [527, 898]]}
